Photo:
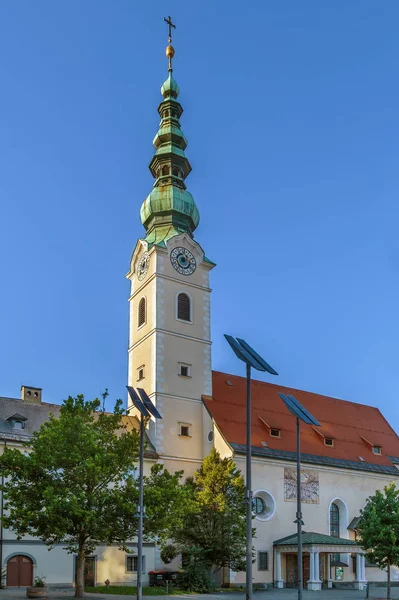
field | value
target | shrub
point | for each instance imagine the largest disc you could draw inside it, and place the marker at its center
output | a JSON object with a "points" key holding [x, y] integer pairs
{"points": [[196, 574]]}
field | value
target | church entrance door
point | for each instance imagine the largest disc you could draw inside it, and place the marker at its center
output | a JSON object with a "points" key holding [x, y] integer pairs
{"points": [[19, 571], [292, 570]]}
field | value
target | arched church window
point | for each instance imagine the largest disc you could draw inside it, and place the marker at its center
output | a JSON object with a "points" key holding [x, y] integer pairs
{"points": [[165, 170], [175, 171], [183, 307], [334, 529], [142, 312], [334, 520]]}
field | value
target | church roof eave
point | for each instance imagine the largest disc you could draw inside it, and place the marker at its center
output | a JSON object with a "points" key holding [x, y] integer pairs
{"points": [[317, 539]]}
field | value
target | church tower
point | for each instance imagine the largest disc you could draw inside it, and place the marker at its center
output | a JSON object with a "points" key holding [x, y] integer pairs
{"points": [[169, 337]]}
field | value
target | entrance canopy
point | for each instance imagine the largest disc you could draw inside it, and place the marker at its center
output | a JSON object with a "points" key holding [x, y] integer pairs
{"points": [[317, 542]]}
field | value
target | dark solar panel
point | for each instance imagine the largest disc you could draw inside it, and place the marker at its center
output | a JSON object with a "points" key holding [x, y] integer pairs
{"points": [[303, 409], [242, 354], [257, 357], [148, 404], [137, 402], [297, 410]]}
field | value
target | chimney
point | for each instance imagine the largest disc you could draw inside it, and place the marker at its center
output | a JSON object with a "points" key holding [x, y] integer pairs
{"points": [[31, 395]]}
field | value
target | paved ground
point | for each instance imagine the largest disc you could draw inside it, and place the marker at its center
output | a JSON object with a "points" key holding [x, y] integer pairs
{"points": [[266, 595]]}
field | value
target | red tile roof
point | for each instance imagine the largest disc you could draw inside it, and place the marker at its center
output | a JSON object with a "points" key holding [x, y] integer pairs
{"points": [[347, 422]]}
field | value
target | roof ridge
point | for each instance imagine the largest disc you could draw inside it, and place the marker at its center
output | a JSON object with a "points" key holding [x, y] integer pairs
{"points": [[19, 400], [277, 385]]}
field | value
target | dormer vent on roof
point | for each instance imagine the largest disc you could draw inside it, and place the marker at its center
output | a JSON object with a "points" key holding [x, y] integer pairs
{"points": [[31, 395], [328, 438], [273, 431], [375, 448], [17, 421]]}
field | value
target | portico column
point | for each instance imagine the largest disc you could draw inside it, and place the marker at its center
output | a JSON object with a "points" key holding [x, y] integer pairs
{"points": [[317, 566], [363, 567], [329, 580], [358, 581], [279, 581], [314, 583], [311, 564], [358, 567]]}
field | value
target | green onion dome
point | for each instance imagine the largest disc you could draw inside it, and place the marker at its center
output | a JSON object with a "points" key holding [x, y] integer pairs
{"points": [[172, 205]]}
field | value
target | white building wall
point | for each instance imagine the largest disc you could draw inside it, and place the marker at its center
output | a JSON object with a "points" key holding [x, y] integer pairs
{"points": [[58, 567], [351, 487]]}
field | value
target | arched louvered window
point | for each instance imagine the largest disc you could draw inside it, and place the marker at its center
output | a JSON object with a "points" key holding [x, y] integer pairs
{"points": [[142, 312], [165, 170], [183, 307]]}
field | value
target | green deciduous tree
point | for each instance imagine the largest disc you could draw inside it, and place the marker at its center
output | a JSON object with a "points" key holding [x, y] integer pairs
{"points": [[378, 529], [75, 486], [214, 522]]}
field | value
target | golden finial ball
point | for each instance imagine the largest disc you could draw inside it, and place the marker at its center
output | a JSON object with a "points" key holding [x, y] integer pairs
{"points": [[170, 51]]}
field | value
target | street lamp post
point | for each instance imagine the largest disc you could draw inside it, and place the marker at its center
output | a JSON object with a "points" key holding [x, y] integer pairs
{"points": [[244, 352], [301, 414], [146, 409]]}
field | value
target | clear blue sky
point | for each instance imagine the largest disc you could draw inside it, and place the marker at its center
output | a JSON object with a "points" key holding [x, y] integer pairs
{"points": [[291, 113]]}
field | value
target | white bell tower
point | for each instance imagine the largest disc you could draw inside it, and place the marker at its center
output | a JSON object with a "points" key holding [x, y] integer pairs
{"points": [[169, 339]]}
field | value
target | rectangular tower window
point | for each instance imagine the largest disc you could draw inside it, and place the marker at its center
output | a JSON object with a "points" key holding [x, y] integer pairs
{"points": [[184, 430], [328, 442], [140, 373], [377, 449], [184, 370]]}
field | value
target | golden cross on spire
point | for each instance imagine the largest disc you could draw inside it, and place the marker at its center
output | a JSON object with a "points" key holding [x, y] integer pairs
{"points": [[170, 25], [170, 51]]}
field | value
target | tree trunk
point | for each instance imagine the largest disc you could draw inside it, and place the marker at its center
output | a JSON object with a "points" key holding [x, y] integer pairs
{"points": [[80, 572], [389, 582]]}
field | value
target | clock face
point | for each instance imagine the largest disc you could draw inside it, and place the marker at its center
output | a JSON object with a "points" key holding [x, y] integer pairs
{"points": [[143, 266], [183, 261]]}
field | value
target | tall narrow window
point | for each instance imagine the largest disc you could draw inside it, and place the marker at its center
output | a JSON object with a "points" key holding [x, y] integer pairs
{"points": [[183, 307], [263, 561], [142, 311], [334, 520], [334, 529]]}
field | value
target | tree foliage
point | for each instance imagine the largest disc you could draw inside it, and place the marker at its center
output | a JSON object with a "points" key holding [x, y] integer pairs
{"points": [[75, 486], [214, 524], [378, 529]]}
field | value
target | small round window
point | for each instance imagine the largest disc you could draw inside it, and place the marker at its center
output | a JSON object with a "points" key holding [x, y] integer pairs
{"points": [[263, 505], [258, 505], [210, 436]]}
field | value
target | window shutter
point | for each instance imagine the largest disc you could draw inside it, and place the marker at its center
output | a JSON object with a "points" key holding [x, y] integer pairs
{"points": [[141, 319], [183, 307]]}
